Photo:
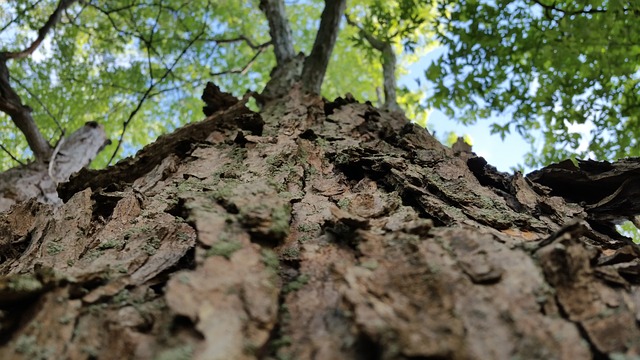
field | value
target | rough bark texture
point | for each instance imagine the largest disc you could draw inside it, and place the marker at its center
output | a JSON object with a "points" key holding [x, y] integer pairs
{"points": [[314, 230]]}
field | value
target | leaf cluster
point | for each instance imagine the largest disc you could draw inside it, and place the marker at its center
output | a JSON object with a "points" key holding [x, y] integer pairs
{"points": [[551, 65]]}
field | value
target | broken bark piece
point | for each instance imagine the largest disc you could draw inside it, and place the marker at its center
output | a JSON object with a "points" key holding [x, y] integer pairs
{"points": [[38, 180], [216, 99], [607, 191], [461, 147]]}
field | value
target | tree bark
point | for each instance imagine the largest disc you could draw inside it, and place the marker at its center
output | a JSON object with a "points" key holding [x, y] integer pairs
{"points": [[314, 230], [315, 65]]}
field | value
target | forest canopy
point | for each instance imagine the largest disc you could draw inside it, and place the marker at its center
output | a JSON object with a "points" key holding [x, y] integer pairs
{"points": [[549, 65], [138, 67]]}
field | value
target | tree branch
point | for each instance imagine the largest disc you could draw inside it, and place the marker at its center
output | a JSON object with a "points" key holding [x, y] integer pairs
{"points": [[42, 33], [315, 65], [388, 66], [20, 14], [248, 41], [150, 41], [10, 102], [553, 7], [135, 34], [279, 29]]}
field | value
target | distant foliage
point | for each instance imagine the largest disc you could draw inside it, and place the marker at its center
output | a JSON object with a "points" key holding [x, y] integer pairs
{"points": [[550, 64], [408, 26], [141, 65]]}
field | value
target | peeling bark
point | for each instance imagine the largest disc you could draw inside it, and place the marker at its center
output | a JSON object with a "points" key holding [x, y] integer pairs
{"points": [[314, 230], [39, 180]]}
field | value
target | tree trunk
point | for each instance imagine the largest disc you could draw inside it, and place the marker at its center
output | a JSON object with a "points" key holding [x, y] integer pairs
{"points": [[313, 230]]}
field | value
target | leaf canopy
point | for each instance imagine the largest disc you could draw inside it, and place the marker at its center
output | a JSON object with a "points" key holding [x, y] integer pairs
{"points": [[139, 66], [551, 65]]}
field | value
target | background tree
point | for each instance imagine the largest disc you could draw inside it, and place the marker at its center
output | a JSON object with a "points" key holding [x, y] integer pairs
{"points": [[129, 62], [388, 28], [548, 64]]}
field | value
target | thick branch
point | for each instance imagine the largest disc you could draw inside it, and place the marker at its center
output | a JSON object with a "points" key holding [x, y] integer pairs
{"points": [[389, 75], [20, 114], [388, 66], [315, 65], [42, 33], [279, 29], [10, 102]]}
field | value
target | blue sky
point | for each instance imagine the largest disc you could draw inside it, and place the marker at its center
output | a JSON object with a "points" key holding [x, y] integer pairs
{"points": [[502, 154]]}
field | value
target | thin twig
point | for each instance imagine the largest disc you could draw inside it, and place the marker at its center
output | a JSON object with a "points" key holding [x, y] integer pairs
{"points": [[243, 38], [146, 94], [569, 13], [11, 155], [148, 44], [37, 99], [20, 14], [244, 69]]}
